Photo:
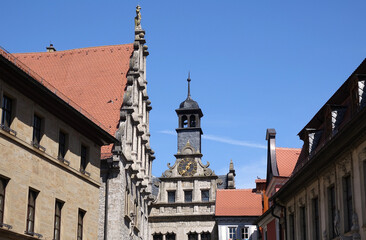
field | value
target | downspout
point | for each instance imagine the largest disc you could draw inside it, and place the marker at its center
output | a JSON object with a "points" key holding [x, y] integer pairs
{"points": [[106, 199], [278, 217]]}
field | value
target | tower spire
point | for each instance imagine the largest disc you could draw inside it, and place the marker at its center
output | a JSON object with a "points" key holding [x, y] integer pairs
{"points": [[189, 85]]}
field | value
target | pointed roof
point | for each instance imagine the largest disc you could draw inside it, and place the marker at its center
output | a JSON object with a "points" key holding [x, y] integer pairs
{"points": [[94, 78], [189, 103]]}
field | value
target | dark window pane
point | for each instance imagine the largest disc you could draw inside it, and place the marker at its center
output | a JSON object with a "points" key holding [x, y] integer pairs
{"points": [[84, 158], [171, 196], [62, 145], [80, 224], [170, 236], [206, 236], [3, 183], [32, 195], [347, 196], [7, 111], [193, 236], [292, 227], [331, 211], [316, 223], [57, 225], [37, 121], [205, 195], [158, 237], [188, 196], [303, 222]]}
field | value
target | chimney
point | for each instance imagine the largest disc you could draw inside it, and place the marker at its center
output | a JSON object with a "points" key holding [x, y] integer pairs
{"points": [[51, 48]]}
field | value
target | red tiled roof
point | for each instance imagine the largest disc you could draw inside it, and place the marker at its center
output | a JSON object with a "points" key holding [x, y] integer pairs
{"points": [[260, 180], [286, 160], [94, 78], [238, 202]]}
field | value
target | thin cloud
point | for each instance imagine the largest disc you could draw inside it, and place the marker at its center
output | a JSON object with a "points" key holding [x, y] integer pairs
{"points": [[223, 140]]}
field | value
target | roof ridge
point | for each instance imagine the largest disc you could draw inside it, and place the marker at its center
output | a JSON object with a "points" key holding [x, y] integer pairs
{"points": [[232, 190], [75, 49], [287, 148]]}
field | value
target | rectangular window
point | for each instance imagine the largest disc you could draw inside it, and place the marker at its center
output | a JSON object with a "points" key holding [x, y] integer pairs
{"points": [[84, 158], [32, 195], [316, 223], [7, 111], [61, 145], [303, 223], [187, 196], [80, 224], [171, 196], [291, 226], [232, 233], [3, 183], [205, 236], [37, 123], [245, 233], [347, 199], [331, 211], [205, 195], [57, 224]]}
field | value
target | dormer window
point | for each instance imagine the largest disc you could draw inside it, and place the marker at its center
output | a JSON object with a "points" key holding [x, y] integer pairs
{"points": [[313, 138], [361, 93], [192, 121], [337, 117]]}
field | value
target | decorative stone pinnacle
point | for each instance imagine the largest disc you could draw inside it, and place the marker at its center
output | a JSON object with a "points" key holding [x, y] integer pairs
{"points": [[231, 165]]}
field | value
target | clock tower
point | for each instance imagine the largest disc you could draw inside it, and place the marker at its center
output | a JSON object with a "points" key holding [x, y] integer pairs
{"points": [[185, 204], [189, 128]]}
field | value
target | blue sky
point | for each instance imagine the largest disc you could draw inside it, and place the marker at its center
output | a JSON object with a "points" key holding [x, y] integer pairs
{"points": [[254, 64]]}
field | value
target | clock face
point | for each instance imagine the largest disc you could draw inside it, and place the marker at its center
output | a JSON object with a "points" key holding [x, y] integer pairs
{"points": [[187, 167]]}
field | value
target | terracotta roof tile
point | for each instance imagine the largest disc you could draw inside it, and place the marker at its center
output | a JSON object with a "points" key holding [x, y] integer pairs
{"points": [[238, 202], [94, 78], [286, 160]]}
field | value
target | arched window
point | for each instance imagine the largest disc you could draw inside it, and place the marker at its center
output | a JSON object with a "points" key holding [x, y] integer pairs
{"points": [[205, 236], [192, 236], [170, 236], [184, 121], [158, 236], [192, 121]]}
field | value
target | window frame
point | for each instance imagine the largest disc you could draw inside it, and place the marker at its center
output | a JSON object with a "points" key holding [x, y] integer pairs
{"points": [[347, 202], [245, 232], [3, 184], [315, 218], [332, 208], [37, 129], [84, 157], [188, 196], [170, 192], [158, 236], [303, 226], [80, 227], [7, 111], [292, 226], [192, 236], [170, 236], [31, 207], [62, 144], [57, 219], [232, 234], [202, 196]]}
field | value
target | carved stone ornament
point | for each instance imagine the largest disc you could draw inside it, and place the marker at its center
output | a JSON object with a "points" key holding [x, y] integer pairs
{"points": [[328, 176], [345, 165], [301, 201], [219, 181], [168, 173], [290, 209], [207, 172], [362, 155]]}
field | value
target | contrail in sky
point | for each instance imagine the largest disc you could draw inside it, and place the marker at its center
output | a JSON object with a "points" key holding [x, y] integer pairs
{"points": [[222, 140]]}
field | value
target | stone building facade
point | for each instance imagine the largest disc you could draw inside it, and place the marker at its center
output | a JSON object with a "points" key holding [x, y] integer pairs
{"points": [[110, 83], [326, 194], [49, 159], [185, 203]]}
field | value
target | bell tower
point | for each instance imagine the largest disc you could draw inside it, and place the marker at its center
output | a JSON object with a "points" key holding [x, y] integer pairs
{"points": [[189, 128]]}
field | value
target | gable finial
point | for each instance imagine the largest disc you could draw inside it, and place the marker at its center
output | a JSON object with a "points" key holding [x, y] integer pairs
{"points": [[189, 84], [138, 18]]}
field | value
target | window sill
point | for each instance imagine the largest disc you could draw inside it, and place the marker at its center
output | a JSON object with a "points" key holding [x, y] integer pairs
{"points": [[8, 129], [84, 172], [38, 235], [38, 146], [61, 159]]}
